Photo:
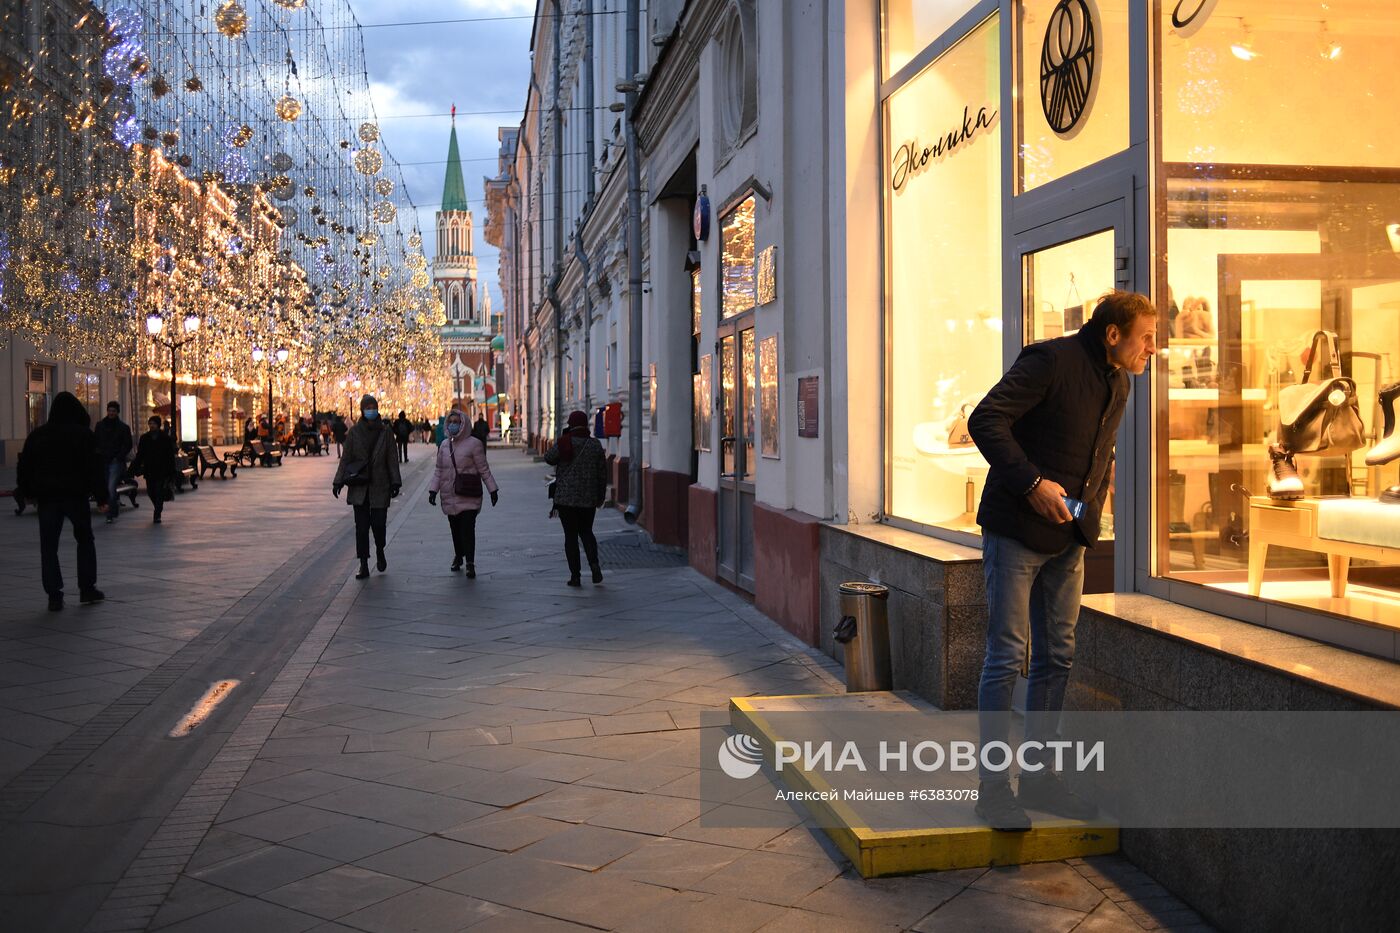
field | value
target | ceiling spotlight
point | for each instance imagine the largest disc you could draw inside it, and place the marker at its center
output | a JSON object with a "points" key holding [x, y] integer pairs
{"points": [[1243, 47], [1327, 47]]}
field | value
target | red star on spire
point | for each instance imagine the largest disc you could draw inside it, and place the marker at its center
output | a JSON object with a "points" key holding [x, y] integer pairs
{"points": [[454, 113]]}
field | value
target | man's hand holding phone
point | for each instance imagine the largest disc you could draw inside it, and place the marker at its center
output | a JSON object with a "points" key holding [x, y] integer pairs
{"points": [[1048, 499]]}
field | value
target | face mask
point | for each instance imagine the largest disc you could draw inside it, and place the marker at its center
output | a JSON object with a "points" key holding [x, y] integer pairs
{"points": [[371, 413], [454, 429]]}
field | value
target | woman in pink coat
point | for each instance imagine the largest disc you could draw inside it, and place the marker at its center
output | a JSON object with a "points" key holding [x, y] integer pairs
{"points": [[461, 453]]}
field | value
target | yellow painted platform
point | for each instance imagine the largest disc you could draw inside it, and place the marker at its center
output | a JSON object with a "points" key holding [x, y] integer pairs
{"points": [[959, 838]]}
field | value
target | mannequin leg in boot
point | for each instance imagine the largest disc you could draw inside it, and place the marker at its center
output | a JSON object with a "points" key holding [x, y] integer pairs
{"points": [[1388, 448]]}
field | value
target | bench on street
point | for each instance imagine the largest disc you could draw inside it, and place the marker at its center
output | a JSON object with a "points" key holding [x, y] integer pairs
{"points": [[185, 472], [267, 455], [209, 461]]}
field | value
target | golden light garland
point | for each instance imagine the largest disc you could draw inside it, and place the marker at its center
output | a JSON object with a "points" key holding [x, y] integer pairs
{"points": [[231, 19], [288, 108]]}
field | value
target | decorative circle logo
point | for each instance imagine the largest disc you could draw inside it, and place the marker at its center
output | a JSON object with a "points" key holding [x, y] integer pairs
{"points": [[1067, 64], [740, 756]]}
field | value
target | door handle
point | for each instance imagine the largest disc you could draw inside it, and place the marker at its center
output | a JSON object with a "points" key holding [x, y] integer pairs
{"points": [[728, 439], [728, 475]]}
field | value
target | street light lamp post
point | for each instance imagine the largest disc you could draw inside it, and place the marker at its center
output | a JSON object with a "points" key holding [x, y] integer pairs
{"points": [[279, 356], [155, 327]]}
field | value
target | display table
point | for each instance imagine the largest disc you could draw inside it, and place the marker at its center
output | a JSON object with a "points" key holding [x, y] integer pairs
{"points": [[1341, 528]]}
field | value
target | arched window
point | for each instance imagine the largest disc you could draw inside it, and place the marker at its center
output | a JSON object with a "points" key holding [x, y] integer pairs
{"points": [[456, 305]]}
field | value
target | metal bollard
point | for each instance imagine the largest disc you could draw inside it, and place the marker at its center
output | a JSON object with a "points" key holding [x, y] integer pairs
{"points": [[865, 631]]}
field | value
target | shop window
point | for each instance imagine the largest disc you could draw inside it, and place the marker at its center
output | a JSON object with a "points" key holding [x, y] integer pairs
{"points": [[943, 250], [1072, 93], [87, 386], [736, 260], [1280, 233], [38, 396], [908, 26]]}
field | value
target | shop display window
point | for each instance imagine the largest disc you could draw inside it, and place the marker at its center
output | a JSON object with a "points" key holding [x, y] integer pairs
{"points": [[1072, 86], [908, 27], [943, 249], [87, 386], [1277, 468], [737, 260]]}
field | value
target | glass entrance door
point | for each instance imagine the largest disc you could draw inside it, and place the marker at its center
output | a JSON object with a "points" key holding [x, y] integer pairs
{"points": [[1065, 266], [736, 479]]}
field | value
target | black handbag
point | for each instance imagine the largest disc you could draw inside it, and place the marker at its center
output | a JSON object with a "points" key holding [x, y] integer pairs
{"points": [[359, 472], [1321, 415], [466, 485]]}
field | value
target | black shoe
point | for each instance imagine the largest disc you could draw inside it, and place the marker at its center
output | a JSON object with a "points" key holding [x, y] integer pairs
{"points": [[456, 564], [998, 806], [56, 603], [1046, 791], [597, 573], [574, 581], [363, 571], [155, 520], [471, 571], [1285, 483], [93, 595], [379, 562]]}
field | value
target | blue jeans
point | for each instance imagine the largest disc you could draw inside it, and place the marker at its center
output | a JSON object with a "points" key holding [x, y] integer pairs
{"points": [[1030, 596], [115, 469]]}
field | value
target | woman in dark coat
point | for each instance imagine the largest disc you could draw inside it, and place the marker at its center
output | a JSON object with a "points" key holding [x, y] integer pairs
{"points": [[580, 485], [461, 453], [155, 459], [370, 453]]}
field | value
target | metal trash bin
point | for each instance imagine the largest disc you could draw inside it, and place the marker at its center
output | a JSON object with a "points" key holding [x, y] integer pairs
{"points": [[864, 629]]}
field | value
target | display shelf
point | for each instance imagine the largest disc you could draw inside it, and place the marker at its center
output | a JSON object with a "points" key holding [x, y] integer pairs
{"points": [[1212, 395]]}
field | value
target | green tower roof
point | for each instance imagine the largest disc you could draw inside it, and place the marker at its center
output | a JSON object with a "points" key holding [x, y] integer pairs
{"points": [[454, 192]]}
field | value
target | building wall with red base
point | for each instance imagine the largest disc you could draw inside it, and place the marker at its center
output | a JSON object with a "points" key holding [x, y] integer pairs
{"points": [[666, 506], [700, 530], [787, 568]]}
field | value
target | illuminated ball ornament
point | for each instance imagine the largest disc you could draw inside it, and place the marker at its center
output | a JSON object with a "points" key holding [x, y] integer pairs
{"points": [[127, 131], [288, 108], [237, 135], [384, 187], [369, 132], [368, 161], [384, 212], [416, 261], [231, 19], [233, 246], [291, 4], [415, 241], [420, 279], [281, 162]]}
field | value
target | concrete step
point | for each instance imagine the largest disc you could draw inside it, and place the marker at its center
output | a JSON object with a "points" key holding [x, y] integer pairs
{"points": [[952, 835]]}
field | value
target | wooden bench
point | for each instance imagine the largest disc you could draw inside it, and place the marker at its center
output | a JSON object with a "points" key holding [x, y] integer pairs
{"points": [[185, 472], [209, 461], [267, 455], [126, 486], [1299, 524]]}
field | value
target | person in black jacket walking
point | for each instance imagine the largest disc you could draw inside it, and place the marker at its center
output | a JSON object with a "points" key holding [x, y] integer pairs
{"points": [[113, 447], [580, 485], [338, 431], [60, 468], [1047, 431], [371, 470], [155, 459], [403, 433]]}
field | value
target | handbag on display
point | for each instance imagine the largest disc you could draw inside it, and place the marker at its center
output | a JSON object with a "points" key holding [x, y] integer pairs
{"points": [[466, 485], [958, 435], [1321, 415]]}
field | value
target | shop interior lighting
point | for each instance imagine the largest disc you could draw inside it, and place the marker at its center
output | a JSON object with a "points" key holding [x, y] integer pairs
{"points": [[1329, 48], [1243, 47]]}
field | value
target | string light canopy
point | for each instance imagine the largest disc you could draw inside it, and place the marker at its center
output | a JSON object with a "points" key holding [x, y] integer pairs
{"points": [[196, 172]]}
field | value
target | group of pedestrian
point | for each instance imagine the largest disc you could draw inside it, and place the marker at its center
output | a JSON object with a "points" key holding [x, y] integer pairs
{"points": [[66, 461]]}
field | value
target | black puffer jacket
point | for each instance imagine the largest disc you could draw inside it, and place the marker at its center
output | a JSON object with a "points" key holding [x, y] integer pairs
{"points": [[59, 459]]}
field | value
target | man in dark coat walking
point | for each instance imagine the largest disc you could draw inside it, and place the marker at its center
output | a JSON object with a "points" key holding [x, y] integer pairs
{"points": [[403, 433], [1047, 430], [339, 430], [60, 468], [370, 468], [155, 459], [113, 447]]}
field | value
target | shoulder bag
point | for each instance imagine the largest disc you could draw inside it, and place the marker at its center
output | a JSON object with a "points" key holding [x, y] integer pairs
{"points": [[466, 485], [1320, 415], [958, 434]]}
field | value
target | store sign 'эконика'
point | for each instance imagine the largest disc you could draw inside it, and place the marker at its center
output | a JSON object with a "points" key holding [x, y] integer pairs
{"points": [[910, 158]]}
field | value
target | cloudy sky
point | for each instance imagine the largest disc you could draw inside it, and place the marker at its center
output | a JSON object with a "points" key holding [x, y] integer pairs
{"points": [[479, 66]]}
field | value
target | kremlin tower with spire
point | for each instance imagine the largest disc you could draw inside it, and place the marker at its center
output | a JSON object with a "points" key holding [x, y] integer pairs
{"points": [[466, 337]]}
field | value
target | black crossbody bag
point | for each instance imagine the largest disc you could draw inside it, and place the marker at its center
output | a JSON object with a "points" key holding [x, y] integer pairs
{"points": [[466, 485]]}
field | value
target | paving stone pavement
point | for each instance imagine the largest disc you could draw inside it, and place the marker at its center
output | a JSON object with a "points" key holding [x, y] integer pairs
{"points": [[503, 753]]}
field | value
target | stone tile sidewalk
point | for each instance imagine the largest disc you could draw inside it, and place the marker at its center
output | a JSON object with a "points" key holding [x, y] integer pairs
{"points": [[506, 753]]}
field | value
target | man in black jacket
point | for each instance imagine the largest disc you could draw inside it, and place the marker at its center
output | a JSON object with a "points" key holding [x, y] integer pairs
{"points": [[1047, 430], [113, 447], [59, 467], [155, 459]]}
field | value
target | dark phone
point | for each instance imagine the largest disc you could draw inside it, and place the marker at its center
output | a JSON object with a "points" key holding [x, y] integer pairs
{"points": [[1076, 508]]}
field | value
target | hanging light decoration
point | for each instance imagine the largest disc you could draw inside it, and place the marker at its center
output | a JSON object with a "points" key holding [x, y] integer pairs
{"points": [[368, 161], [384, 187], [193, 84], [281, 162], [237, 135], [291, 4], [289, 215], [288, 108], [384, 212], [231, 19], [369, 132]]}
